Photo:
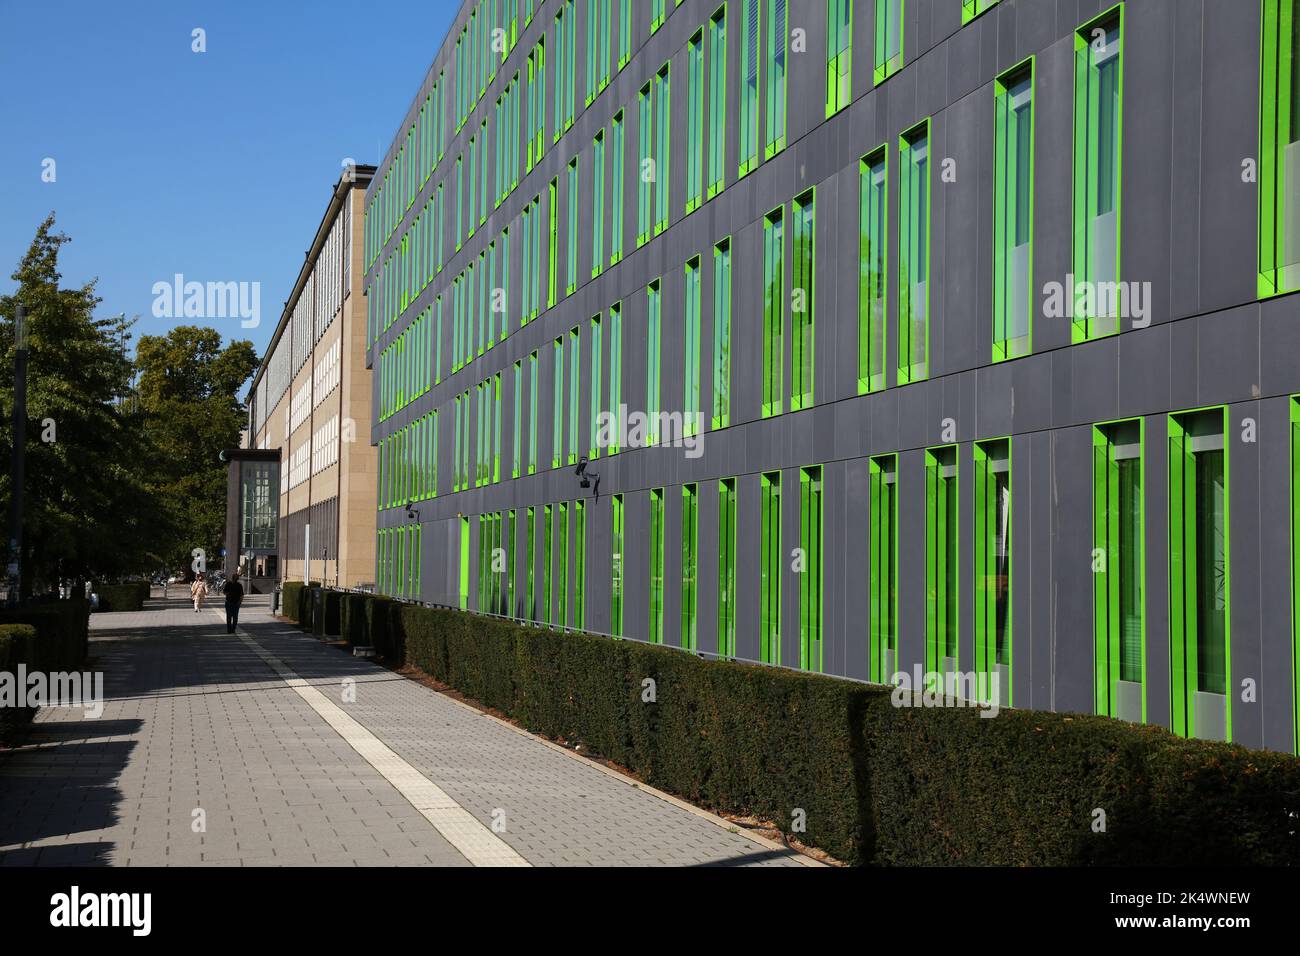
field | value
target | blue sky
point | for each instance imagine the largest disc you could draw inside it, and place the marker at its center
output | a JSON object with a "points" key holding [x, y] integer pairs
{"points": [[216, 165]]}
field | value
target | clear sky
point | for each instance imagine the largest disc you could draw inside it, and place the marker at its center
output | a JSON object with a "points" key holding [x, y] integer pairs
{"points": [[217, 165]]}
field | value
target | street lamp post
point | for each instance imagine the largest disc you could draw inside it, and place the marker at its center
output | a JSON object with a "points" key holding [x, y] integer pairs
{"points": [[19, 454]]}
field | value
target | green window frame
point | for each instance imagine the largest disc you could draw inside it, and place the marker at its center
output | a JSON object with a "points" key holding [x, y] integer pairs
{"points": [[656, 635], [810, 580], [557, 406], [1119, 569], [717, 148], [839, 55], [774, 300], [942, 577], [662, 165], [509, 583], [654, 353], [749, 77], [1295, 571], [496, 428], [993, 575], [770, 562], [579, 536], [1098, 134], [615, 374], [883, 568], [571, 265], [616, 567], [778, 62], [594, 406], [695, 122], [553, 255], [645, 131], [803, 338], [598, 201], [1279, 154], [727, 567], [1013, 212], [691, 336], [1200, 662], [914, 254], [889, 39], [464, 563], [531, 566], [722, 334], [532, 413], [575, 366], [562, 564], [618, 160], [690, 565], [872, 268], [624, 33], [516, 456], [548, 521]]}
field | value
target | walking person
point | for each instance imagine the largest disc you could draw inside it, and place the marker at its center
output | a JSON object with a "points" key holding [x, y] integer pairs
{"points": [[234, 592], [198, 591]]}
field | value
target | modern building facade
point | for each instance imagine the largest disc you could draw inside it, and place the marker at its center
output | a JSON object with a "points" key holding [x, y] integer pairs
{"points": [[310, 400], [962, 332]]}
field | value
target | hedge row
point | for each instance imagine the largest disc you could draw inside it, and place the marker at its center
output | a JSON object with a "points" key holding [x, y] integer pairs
{"points": [[838, 765], [122, 597], [45, 637]]}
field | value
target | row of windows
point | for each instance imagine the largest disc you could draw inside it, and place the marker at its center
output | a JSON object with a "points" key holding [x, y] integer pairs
{"points": [[1197, 552]]}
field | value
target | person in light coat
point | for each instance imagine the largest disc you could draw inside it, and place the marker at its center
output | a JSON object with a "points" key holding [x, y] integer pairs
{"points": [[198, 591]]}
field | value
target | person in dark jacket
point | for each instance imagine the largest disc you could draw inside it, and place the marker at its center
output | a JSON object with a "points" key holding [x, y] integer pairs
{"points": [[234, 592]]}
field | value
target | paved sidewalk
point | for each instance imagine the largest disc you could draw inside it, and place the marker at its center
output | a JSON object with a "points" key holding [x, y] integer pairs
{"points": [[289, 770]]}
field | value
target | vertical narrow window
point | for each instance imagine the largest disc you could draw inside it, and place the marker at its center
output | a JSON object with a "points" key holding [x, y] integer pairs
{"points": [[690, 564], [717, 145], [464, 563], [496, 428], [889, 39], [571, 254], [532, 413], [656, 566], [1279, 149], [773, 310], [575, 365], [993, 569], [941, 602], [778, 53], [562, 561], [970, 9], [530, 574], [557, 406], [662, 169], [595, 34], [770, 561], [883, 624], [645, 175], [579, 536], [749, 88], [722, 334], [598, 202], [695, 122], [624, 33], [691, 371], [525, 265], [1295, 571], [656, 14], [727, 568], [1098, 99], [1013, 212], [1199, 662], [615, 375], [516, 457], [618, 161], [914, 254], [616, 567], [654, 348], [839, 55], [553, 254], [510, 608], [1119, 564], [594, 405], [547, 561], [803, 299], [873, 250], [810, 576]]}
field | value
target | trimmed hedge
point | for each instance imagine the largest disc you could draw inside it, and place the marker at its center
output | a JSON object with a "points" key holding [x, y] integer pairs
{"points": [[17, 643], [876, 783], [120, 597], [352, 619], [45, 637], [290, 600], [326, 623]]}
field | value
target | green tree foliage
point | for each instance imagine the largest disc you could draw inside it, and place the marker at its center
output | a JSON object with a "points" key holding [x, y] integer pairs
{"points": [[87, 507], [188, 390]]}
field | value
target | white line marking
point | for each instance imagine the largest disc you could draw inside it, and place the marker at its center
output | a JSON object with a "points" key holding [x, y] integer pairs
{"points": [[457, 825]]}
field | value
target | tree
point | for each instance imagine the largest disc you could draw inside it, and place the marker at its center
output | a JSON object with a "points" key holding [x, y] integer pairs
{"points": [[87, 511], [189, 389]]}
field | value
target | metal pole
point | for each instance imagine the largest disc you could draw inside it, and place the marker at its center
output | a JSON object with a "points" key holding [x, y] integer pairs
{"points": [[19, 455]]}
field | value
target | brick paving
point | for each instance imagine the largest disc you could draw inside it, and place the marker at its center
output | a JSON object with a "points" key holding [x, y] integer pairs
{"points": [[196, 720]]}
